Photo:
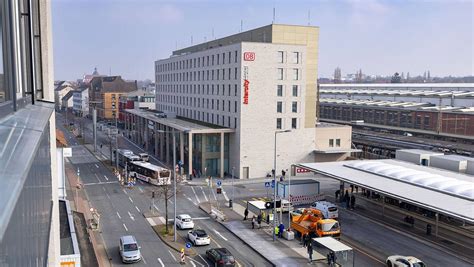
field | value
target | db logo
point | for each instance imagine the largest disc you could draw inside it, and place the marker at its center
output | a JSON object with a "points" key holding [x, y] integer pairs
{"points": [[249, 56]]}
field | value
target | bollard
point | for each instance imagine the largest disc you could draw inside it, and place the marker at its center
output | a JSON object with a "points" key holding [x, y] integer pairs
{"points": [[182, 257], [230, 203]]}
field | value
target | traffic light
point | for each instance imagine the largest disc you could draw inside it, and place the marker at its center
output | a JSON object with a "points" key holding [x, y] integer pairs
{"points": [[269, 205], [219, 190]]}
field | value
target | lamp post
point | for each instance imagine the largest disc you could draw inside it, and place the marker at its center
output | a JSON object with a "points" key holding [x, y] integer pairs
{"points": [[274, 182], [232, 187], [289, 202]]}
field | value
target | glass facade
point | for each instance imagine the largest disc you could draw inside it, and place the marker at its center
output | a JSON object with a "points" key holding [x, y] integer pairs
{"points": [[206, 154]]}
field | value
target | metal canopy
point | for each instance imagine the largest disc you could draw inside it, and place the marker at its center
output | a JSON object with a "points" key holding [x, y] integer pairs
{"points": [[429, 198], [332, 244]]}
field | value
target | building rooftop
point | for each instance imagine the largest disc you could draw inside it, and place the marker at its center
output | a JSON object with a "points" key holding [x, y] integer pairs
{"points": [[399, 85], [398, 92]]}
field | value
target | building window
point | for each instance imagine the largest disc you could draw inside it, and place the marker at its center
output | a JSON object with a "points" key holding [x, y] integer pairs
{"points": [[338, 142], [235, 56], [230, 53], [278, 123], [280, 74], [280, 90], [280, 55], [295, 90], [235, 106], [212, 60], [217, 59], [235, 89], [294, 123], [235, 123], [294, 107], [279, 107], [296, 57], [235, 73], [296, 74], [331, 142]]}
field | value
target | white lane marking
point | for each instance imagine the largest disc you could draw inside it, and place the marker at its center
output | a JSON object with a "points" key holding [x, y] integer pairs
{"points": [[225, 196], [202, 218], [107, 195], [130, 199], [204, 194], [214, 194], [219, 234], [103, 188], [97, 176], [101, 183], [161, 262], [131, 216], [137, 209], [144, 261], [97, 166], [124, 191], [172, 255], [141, 190], [192, 261], [106, 178], [171, 201], [154, 205], [124, 226], [151, 221], [198, 201], [194, 202], [119, 215], [203, 260]]}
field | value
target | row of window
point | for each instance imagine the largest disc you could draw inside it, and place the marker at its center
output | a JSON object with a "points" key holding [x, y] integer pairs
{"points": [[294, 57], [281, 74], [294, 123], [331, 142], [207, 75], [199, 62], [214, 104], [199, 90], [294, 90], [218, 119], [294, 107]]}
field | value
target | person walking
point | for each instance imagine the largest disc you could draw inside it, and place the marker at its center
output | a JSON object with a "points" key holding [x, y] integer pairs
{"points": [[259, 220], [310, 252], [246, 213], [353, 201], [308, 239], [281, 228], [253, 222], [348, 200], [277, 231], [303, 240], [352, 188], [336, 194]]}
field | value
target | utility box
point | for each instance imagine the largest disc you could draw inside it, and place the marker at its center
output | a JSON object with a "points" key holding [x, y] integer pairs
{"points": [[470, 166], [453, 163], [416, 156]]}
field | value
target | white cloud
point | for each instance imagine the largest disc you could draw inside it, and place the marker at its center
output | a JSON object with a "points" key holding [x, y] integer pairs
{"points": [[169, 14]]}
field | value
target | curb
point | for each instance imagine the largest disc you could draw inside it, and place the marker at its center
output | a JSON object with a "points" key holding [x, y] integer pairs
{"points": [[169, 245]]}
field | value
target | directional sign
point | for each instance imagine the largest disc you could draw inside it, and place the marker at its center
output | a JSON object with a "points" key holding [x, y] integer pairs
{"points": [[219, 182], [267, 184], [188, 245], [273, 183]]}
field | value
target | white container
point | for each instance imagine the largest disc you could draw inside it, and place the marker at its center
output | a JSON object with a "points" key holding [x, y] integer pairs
{"points": [[453, 163], [416, 156]]}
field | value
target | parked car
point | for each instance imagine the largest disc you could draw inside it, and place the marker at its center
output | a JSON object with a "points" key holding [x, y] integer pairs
{"points": [[184, 221], [328, 209], [199, 237], [129, 249], [220, 257], [404, 261]]}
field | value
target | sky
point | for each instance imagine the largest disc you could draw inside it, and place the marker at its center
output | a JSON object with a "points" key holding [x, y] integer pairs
{"points": [[381, 37]]}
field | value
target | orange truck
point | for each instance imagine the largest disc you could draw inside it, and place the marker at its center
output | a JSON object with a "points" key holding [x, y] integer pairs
{"points": [[311, 222]]}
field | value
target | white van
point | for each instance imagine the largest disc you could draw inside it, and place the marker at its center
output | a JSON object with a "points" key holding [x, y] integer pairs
{"points": [[328, 209], [286, 206]]}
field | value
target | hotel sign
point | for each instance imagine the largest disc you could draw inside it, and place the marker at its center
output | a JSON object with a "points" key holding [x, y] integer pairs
{"points": [[246, 85]]}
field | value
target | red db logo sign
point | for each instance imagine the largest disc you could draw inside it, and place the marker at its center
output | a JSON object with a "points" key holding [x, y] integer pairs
{"points": [[249, 56]]}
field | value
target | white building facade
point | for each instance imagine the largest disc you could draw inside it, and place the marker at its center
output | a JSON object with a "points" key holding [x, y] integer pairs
{"points": [[81, 102]]}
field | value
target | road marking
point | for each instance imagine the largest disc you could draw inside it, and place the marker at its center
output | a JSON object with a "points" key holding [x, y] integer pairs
{"points": [[125, 191], [192, 261], [219, 234], [144, 261], [141, 182], [137, 209], [139, 188], [97, 176], [198, 201], [203, 260], [131, 216], [106, 178], [119, 215], [97, 166], [130, 199], [172, 255], [171, 201], [151, 222], [107, 195], [103, 188], [214, 194], [225, 196], [202, 218], [101, 183], [154, 205], [161, 262], [204, 194], [124, 226], [192, 201]]}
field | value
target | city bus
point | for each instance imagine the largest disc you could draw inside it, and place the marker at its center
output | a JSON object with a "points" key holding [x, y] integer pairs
{"points": [[144, 156], [126, 156], [149, 173]]}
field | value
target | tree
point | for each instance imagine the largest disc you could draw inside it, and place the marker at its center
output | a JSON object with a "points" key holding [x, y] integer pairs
{"points": [[408, 76], [166, 192], [396, 78], [337, 75]]}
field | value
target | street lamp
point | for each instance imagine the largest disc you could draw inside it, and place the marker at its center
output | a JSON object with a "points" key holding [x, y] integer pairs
{"points": [[274, 181], [232, 200]]}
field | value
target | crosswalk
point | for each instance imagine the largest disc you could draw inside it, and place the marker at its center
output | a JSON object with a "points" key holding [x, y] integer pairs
{"points": [[265, 199]]}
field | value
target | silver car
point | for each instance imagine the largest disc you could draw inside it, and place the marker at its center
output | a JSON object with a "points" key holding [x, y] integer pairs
{"points": [[129, 249]]}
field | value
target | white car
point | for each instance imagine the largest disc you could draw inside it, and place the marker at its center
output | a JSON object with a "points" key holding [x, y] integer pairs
{"points": [[404, 261], [184, 221], [199, 237], [297, 212]]}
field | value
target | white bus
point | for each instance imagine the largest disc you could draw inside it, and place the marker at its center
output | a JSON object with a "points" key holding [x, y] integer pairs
{"points": [[149, 173], [125, 157], [144, 156]]}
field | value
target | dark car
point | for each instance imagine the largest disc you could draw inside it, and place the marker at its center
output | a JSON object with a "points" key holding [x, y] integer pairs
{"points": [[220, 257]]}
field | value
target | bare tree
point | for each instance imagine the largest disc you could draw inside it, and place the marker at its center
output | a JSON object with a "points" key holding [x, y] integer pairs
{"points": [[166, 192]]}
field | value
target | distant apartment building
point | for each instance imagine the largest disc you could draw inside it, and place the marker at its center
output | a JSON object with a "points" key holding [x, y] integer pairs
{"points": [[105, 92], [135, 100], [233, 97], [81, 101], [29, 203], [62, 88]]}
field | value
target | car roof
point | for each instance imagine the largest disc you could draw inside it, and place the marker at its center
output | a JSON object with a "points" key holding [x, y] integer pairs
{"points": [[223, 251], [412, 259], [184, 216], [128, 239], [200, 231]]}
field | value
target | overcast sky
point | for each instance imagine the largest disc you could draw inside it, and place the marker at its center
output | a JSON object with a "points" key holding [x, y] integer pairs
{"points": [[125, 37]]}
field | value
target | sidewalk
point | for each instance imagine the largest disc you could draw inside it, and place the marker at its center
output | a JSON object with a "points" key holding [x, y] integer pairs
{"points": [[228, 181], [279, 253]]}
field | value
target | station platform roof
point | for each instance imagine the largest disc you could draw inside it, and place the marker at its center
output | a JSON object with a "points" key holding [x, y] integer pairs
{"points": [[445, 192]]}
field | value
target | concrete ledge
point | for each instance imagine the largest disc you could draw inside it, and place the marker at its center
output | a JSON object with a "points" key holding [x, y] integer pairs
{"points": [[175, 246]]}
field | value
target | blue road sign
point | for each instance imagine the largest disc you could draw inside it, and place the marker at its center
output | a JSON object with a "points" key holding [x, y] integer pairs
{"points": [[188, 245], [219, 183], [180, 163], [267, 184], [273, 183]]}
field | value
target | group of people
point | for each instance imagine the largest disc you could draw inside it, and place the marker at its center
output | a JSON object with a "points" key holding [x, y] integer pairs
{"points": [[348, 200], [257, 219]]}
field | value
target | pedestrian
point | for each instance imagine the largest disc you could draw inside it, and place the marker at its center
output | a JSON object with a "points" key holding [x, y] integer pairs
{"points": [[328, 257], [353, 201], [277, 231], [253, 222], [352, 188], [337, 194], [303, 240], [333, 258], [101, 146], [259, 220], [357, 189], [310, 252], [194, 172], [308, 239], [246, 213], [348, 200], [281, 228]]}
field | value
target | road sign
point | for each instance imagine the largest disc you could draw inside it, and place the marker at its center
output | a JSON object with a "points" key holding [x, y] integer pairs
{"points": [[188, 245], [273, 183], [219, 182], [267, 184]]}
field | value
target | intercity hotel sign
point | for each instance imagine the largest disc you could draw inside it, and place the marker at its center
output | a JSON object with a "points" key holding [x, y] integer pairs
{"points": [[246, 85]]}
